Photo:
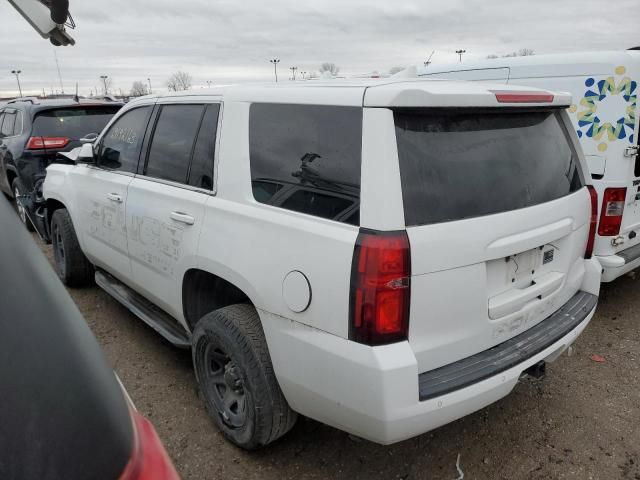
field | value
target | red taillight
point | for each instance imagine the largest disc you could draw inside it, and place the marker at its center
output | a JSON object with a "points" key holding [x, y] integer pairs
{"points": [[41, 143], [594, 220], [149, 460], [523, 97], [380, 288], [612, 209]]}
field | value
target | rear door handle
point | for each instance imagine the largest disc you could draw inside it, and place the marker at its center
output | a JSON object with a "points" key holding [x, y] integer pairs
{"points": [[182, 218], [114, 197]]}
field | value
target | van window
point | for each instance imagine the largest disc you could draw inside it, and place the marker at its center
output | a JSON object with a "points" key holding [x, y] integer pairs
{"points": [[463, 164], [307, 158], [121, 144], [201, 171], [172, 142]]}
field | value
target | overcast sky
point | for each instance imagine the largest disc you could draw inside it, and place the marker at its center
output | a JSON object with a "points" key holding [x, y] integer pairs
{"points": [[229, 40]]}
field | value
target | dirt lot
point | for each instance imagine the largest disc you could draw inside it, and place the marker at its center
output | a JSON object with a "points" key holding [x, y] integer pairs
{"points": [[581, 422]]}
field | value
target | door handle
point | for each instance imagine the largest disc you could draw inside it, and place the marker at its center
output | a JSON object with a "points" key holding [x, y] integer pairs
{"points": [[114, 197], [182, 218]]}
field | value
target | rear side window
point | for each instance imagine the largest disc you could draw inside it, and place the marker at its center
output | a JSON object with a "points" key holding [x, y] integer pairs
{"points": [[73, 123], [121, 144], [463, 164], [173, 141], [307, 158], [8, 124], [201, 171]]}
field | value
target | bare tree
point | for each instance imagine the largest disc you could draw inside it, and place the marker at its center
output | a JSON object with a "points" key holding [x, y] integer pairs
{"points": [[179, 81], [523, 52], [332, 68], [107, 84], [395, 70], [139, 88]]}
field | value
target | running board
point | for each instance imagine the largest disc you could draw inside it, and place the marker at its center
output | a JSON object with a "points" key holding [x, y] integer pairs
{"points": [[160, 321]]}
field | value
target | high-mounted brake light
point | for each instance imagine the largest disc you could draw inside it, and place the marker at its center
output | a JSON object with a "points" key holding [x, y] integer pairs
{"points": [[523, 97], [593, 221], [41, 143], [380, 288], [612, 210], [149, 460]]}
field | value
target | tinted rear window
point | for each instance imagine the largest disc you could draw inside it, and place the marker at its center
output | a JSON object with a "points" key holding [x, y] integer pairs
{"points": [[307, 158], [465, 164], [73, 122]]}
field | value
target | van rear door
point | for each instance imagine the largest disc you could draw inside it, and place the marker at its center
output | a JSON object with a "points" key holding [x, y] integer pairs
{"points": [[497, 215]]}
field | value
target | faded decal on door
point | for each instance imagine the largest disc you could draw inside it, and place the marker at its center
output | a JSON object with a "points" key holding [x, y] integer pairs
{"points": [[107, 224], [156, 244]]}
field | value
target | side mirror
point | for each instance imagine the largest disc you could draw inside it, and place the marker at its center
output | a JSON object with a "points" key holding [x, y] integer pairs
{"points": [[86, 154], [90, 138]]}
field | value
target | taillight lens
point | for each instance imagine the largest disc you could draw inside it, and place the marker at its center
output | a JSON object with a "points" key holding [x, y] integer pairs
{"points": [[612, 210], [41, 143], [594, 221], [380, 288], [523, 97], [149, 460]]}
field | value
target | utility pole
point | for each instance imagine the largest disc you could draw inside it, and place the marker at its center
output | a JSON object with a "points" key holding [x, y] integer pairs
{"points": [[428, 62], [17, 74], [104, 81], [150, 91], [59, 75], [275, 62], [293, 72], [461, 52]]}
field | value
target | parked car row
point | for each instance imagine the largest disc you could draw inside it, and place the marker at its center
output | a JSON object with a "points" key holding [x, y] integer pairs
{"points": [[382, 256]]}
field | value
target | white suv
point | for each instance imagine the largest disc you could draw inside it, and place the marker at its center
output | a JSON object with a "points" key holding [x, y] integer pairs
{"points": [[383, 257]]}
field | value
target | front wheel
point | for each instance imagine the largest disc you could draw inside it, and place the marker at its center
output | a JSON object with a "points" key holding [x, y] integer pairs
{"points": [[72, 266], [236, 378]]}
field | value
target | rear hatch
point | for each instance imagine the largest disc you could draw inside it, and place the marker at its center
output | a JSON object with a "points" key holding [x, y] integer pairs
{"points": [[59, 129], [497, 216]]}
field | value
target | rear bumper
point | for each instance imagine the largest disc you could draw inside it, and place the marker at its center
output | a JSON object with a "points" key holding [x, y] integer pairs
{"points": [[378, 394], [614, 266]]}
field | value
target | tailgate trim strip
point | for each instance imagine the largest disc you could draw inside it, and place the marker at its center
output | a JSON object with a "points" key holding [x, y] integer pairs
{"points": [[630, 254], [510, 353]]}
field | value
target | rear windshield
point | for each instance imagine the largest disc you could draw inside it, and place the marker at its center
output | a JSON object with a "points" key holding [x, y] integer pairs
{"points": [[463, 164], [73, 122]]}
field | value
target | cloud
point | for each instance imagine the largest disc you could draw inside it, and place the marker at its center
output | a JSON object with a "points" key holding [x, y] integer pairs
{"points": [[232, 41]]}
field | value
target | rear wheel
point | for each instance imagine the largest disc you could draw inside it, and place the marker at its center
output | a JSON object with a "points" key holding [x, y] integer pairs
{"points": [[236, 378], [72, 266], [19, 190]]}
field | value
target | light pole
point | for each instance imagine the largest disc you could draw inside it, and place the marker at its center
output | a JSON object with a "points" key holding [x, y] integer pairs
{"points": [[275, 62], [460, 52], [303, 74], [293, 72], [17, 74], [104, 81], [150, 91], [209, 82]]}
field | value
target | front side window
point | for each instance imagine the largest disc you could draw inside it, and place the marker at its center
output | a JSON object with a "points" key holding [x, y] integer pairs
{"points": [[307, 158], [120, 146], [173, 141]]}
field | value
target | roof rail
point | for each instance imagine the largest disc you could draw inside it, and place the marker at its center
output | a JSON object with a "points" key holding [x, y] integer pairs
{"points": [[23, 99]]}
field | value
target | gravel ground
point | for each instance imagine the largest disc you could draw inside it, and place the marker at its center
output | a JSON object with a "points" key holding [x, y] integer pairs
{"points": [[581, 422]]}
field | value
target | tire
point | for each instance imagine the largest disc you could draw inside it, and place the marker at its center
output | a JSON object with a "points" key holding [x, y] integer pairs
{"points": [[233, 368], [72, 266], [17, 187]]}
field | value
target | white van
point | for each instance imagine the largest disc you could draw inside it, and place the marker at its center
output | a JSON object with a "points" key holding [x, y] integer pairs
{"points": [[604, 86]]}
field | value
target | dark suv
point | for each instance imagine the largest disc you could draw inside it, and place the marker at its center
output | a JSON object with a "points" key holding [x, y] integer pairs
{"points": [[33, 131]]}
